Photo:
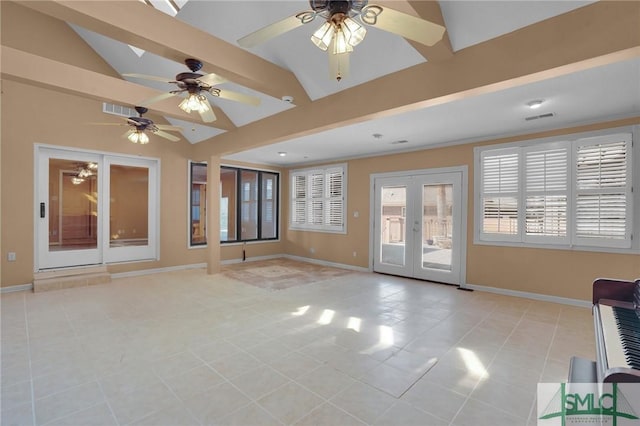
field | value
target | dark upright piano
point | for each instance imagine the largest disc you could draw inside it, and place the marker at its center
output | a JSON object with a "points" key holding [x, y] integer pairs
{"points": [[616, 316]]}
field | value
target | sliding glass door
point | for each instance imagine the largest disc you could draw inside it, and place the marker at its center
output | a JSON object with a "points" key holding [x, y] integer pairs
{"points": [[94, 208]]}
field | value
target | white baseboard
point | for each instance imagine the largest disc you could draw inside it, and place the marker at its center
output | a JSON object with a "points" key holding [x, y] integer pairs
{"points": [[19, 287], [326, 263], [158, 270], [251, 259], [535, 296]]}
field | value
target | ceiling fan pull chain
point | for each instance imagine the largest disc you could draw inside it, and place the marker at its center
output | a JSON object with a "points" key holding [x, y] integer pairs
{"points": [[369, 14]]}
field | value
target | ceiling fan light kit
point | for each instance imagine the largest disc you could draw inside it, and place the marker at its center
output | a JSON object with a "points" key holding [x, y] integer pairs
{"points": [[138, 136], [194, 102]]}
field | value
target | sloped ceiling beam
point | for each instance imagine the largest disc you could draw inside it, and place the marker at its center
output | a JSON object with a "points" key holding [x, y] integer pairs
{"points": [[137, 24], [429, 11], [33, 69], [595, 35]]}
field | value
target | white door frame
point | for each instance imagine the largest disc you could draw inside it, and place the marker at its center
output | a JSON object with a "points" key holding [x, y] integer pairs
{"points": [[464, 190], [105, 254]]}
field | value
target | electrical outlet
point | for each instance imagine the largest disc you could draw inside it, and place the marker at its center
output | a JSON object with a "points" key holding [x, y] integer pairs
{"points": [[355, 254], [312, 250], [11, 256]]}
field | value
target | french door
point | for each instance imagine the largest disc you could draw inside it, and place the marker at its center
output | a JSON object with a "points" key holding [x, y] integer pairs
{"points": [[418, 226], [94, 208]]}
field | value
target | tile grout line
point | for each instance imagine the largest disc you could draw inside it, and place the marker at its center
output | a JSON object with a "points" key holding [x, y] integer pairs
{"points": [[26, 326], [546, 360], [490, 362]]}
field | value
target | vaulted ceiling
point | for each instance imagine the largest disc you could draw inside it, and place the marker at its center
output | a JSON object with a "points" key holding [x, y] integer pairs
{"points": [[581, 58]]}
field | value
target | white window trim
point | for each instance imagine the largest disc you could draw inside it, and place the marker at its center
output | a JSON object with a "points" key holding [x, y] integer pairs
{"points": [[312, 227], [633, 206]]}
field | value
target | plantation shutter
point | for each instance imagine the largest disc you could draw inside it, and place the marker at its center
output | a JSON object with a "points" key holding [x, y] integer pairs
{"points": [[299, 207], [318, 201], [316, 189], [335, 197], [499, 193], [603, 191], [547, 191]]}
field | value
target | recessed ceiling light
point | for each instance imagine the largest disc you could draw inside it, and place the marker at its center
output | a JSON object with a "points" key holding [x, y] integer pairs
{"points": [[282, 154], [535, 104]]}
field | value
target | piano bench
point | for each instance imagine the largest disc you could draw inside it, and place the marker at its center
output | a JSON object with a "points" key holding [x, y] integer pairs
{"points": [[582, 370]]}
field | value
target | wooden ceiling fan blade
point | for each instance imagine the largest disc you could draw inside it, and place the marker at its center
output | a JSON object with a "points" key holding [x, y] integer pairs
{"points": [[166, 135], [273, 30], [147, 77], [239, 97], [169, 127], [207, 115], [155, 99], [407, 26], [212, 79]]}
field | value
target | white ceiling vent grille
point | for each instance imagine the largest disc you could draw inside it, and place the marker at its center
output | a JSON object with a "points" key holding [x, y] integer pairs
{"points": [[120, 110]]}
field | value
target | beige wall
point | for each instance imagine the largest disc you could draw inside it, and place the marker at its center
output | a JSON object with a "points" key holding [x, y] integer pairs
{"points": [[57, 119], [561, 273]]}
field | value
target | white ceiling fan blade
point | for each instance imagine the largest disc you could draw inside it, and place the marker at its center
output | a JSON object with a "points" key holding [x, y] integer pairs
{"points": [[212, 79], [155, 99], [274, 30], [168, 127], [207, 116], [238, 97], [147, 77], [407, 26], [166, 135]]}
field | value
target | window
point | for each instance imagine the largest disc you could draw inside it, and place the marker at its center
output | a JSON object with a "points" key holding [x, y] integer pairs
{"points": [[248, 204], [567, 193], [318, 199], [198, 204], [254, 216]]}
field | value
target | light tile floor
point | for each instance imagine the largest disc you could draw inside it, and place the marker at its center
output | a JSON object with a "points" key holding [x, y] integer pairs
{"points": [[185, 348]]}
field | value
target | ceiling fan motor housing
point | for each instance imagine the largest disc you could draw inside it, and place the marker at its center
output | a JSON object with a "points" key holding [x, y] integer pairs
{"points": [[141, 122], [337, 6], [188, 80]]}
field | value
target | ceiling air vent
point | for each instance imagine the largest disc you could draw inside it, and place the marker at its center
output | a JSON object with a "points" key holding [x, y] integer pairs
{"points": [[120, 110], [399, 142], [536, 117]]}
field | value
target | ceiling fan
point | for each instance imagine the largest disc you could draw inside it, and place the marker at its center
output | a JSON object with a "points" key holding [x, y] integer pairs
{"points": [[195, 85], [342, 30], [140, 125]]}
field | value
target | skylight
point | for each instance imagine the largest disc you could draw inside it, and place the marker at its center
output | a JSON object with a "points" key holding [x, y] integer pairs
{"points": [[170, 7]]}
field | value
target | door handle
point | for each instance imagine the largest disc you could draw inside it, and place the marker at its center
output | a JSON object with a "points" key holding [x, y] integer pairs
{"points": [[42, 210]]}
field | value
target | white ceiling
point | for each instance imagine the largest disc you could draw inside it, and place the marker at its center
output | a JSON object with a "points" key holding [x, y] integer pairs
{"points": [[607, 92]]}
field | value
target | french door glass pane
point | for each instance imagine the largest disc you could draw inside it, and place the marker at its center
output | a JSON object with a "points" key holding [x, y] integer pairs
{"points": [[268, 213], [73, 212], [437, 226], [129, 206], [249, 204], [394, 228]]}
